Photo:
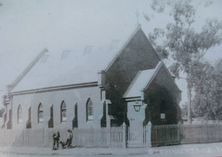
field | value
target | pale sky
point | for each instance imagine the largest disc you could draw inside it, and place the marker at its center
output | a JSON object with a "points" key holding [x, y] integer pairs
{"points": [[29, 26]]}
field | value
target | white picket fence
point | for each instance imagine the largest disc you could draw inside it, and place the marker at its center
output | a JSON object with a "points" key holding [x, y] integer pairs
{"points": [[101, 137], [22, 137], [115, 136]]}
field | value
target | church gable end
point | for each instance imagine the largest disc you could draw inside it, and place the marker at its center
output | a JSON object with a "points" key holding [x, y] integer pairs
{"points": [[137, 55]]}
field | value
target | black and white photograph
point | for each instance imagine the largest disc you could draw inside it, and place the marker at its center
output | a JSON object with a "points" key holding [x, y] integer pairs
{"points": [[110, 78]]}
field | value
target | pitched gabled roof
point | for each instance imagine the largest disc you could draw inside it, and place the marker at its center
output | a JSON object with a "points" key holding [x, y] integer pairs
{"points": [[80, 64], [142, 81]]}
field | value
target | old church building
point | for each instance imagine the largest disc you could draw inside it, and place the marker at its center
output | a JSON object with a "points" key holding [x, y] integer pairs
{"points": [[93, 86]]}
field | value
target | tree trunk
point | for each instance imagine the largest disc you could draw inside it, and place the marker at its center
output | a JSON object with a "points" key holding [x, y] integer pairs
{"points": [[189, 113]]}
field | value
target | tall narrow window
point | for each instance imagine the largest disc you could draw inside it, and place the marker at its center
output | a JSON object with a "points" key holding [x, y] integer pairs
{"points": [[28, 123], [75, 119], [19, 114], [89, 110], [50, 122], [63, 115], [40, 113]]}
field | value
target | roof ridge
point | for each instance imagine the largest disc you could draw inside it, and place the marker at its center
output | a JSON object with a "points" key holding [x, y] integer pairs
{"points": [[123, 46], [156, 70], [132, 83], [26, 70]]}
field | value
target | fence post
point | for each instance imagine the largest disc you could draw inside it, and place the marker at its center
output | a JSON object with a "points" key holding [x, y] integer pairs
{"points": [[179, 132], [45, 137], [24, 135], [148, 134], [124, 135], [108, 132]]}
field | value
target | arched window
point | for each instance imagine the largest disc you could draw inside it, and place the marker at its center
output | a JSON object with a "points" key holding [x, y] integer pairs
{"points": [[89, 110], [63, 115], [40, 113], [19, 114]]}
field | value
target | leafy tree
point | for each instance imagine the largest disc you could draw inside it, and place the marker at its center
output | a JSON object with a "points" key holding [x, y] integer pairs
{"points": [[181, 40], [208, 91]]}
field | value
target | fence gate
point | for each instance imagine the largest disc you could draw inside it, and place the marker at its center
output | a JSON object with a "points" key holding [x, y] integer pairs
{"points": [[135, 135], [136, 116]]}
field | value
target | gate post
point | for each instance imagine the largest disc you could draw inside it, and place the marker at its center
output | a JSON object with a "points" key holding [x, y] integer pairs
{"points": [[108, 127], [179, 132], [148, 134], [124, 135]]}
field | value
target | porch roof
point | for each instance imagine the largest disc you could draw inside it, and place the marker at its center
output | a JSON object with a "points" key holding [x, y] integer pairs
{"points": [[142, 81]]}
